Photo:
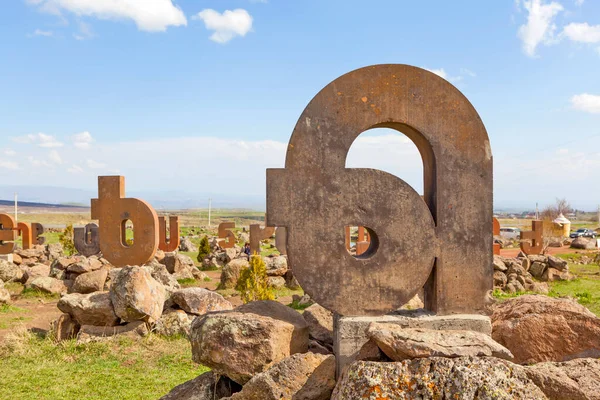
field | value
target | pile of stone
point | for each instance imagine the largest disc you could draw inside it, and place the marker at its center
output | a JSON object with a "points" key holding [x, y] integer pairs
{"points": [[279, 275], [585, 243], [529, 273], [138, 299]]}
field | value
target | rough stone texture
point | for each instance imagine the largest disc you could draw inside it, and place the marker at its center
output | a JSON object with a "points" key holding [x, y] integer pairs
{"points": [[136, 295], [240, 345], [180, 265], [276, 282], [584, 243], [36, 271], [557, 263], [89, 309], [552, 274], [173, 322], [276, 310], [231, 273], [186, 244], [199, 301], [320, 323], [208, 386], [315, 196], [46, 284], [572, 380], [162, 275], [537, 269], [276, 266], [306, 376], [436, 378], [64, 328], [4, 294], [10, 272], [85, 265], [290, 280], [499, 264], [90, 281], [400, 344], [537, 328], [90, 333]]}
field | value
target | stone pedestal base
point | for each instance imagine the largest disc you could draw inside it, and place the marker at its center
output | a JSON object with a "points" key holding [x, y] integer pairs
{"points": [[6, 257], [350, 333]]}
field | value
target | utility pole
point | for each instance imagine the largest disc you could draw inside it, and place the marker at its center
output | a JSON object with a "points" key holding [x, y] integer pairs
{"points": [[209, 207], [16, 208], [537, 212]]}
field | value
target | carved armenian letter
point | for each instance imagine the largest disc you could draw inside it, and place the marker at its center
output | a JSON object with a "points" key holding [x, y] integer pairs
{"points": [[172, 243], [225, 233], [87, 240], [496, 232], [258, 233], [535, 235], [8, 234]]}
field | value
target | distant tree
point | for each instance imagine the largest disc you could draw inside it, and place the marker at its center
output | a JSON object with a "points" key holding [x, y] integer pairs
{"points": [[65, 238], [253, 283], [561, 206], [204, 249]]}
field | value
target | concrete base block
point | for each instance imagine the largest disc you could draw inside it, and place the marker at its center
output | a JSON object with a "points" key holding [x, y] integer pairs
{"points": [[350, 333], [6, 257]]}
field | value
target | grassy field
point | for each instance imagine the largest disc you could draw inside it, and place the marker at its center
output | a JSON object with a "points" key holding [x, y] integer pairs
{"points": [[37, 368]]}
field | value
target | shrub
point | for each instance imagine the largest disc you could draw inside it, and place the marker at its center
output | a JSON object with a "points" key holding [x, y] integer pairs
{"points": [[253, 283], [204, 250], [66, 240]]}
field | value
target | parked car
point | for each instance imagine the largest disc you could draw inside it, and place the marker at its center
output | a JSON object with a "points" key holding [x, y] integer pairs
{"points": [[583, 232], [510, 233]]}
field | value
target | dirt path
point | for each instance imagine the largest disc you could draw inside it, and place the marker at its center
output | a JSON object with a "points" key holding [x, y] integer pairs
{"points": [[34, 314], [551, 250]]}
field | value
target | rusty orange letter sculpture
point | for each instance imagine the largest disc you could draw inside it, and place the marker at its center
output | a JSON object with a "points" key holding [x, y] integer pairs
{"points": [[37, 230], [113, 210], [171, 244], [535, 236], [496, 231], [8, 234], [416, 242], [226, 234], [24, 229], [258, 233], [87, 240]]}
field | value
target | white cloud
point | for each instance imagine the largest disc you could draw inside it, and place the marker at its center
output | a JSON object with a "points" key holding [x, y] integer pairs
{"points": [[55, 157], [540, 26], [95, 164], [9, 152], [9, 165], [75, 169], [39, 32], [227, 25], [582, 32], [85, 31], [440, 72], [37, 162], [41, 139], [83, 140], [579, 2], [586, 102], [465, 71], [148, 15], [454, 79]]}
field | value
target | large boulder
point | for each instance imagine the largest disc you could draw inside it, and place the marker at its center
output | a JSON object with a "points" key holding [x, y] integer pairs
{"points": [[231, 273], [90, 282], [35, 271], [92, 333], [53, 251], [10, 272], [305, 376], [240, 345], [584, 243], [401, 344], [558, 263], [180, 265], [159, 272], [572, 380], [320, 323], [46, 284], [538, 328], [187, 245], [276, 310], [198, 301], [436, 378], [276, 265], [89, 309], [85, 265], [36, 251], [136, 296], [173, 322], [208, 386]]}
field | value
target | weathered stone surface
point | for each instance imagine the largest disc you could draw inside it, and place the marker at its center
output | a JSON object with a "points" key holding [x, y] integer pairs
{"points": [[179, 265], [198, 301], [499, 264], [552, 275], [306, 376], [436, 378], [578, 379], [537, 269], [4, 294], [17, 259], [317, 347], [320, 323], [46, 284], [89, 309], [53, 251], [136, 295], [36, 271], [64, 328], [85, 265], [290, 280], [10, 272], [400, 344], [159, 272], [173, 322], [276, 266], [276, 282], [557, 263], [90, 282], [584, 243], [499, 279], [63, 263], [35, 252], [240, 345], [208, 386], [231, 273], [186, 244], [537, 328], [90, 333], [276, 310]]}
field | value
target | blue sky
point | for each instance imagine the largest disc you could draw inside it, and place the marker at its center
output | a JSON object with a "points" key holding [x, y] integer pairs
{"points": [[202, 95]]}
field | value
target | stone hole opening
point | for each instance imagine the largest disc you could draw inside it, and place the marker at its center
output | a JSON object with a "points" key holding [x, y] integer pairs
{"points": [[361, 242], [127, 235]]}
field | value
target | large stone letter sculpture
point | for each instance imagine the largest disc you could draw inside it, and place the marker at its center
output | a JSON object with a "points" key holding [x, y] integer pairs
{"points": [[113, 210], [281, 240], [8, 234], [226, 234], [24, 229], [87, 240], [496, 232], [415, 242], [173, 243], [536, 238], [37, 230], [258, 233]]}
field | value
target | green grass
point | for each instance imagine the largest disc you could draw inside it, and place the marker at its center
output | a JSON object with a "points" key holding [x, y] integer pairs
{"points": [[294, 304], [14, 287], [187, 282], [30, 293], [7, 319], [37, 368]]}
